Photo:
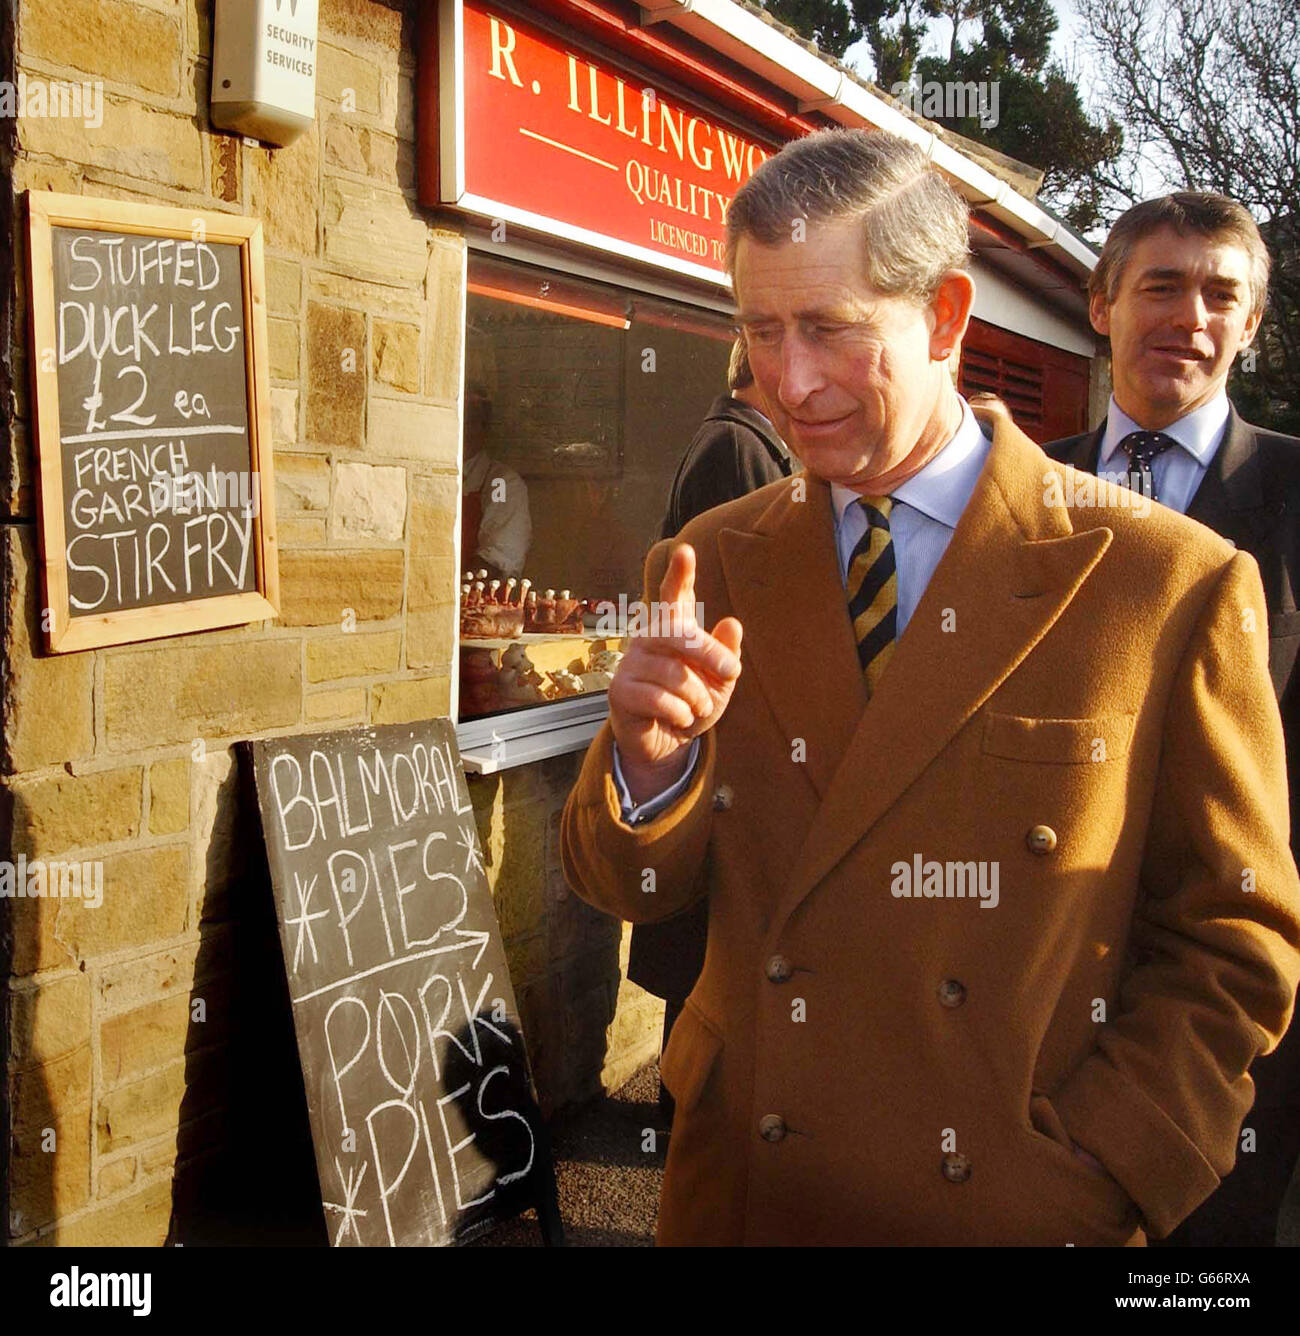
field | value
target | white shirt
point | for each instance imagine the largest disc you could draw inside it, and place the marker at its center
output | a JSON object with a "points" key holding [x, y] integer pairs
{"points": [[925, 513], [506, 529], [1177, 473]]}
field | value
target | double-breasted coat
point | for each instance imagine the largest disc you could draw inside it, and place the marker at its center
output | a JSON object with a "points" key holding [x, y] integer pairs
{"points": [[1081, 706], [1251, 496]]}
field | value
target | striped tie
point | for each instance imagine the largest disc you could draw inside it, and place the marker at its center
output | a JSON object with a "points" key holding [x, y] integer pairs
{"points": [[873, 591]]}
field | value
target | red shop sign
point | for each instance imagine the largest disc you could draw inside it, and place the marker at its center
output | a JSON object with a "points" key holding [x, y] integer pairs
{"points": [[534, 131]]}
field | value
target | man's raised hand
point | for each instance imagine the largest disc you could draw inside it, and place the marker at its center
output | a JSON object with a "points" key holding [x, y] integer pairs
{"points": [[673, 683]]}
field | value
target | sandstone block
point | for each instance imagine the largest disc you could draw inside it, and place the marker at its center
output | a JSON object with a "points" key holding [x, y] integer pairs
{"points": [[169, 796], [45, 1184], [145, 896], [48, 1019], [418, 698], [374, 229], [135, 1042], [157, 1103], [138, 1221], [56, 815], [124, 43], [115, 1177], [134, 140], [294, 530], [375, 298], [129, 984], [364, 21], [348, 79], [433, 592], [369, 503], [355, 655], [320, 706], [444, 288], [284, 191], [395, 355], [335, 587], [402, 429], [34, 734], [282, 349], [302, 482], [284, 416], [336, 375], [283, 286], [211, 690]]}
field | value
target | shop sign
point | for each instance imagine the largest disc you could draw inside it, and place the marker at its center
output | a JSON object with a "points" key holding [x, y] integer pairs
{"points": [[534, 131]]}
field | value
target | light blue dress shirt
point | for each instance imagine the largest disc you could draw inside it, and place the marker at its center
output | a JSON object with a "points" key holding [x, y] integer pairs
{"points": [[1177, 473], [925, 512]]}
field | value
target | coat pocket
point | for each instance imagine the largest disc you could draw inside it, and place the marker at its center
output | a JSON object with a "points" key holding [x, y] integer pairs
{"points": [[693, 1048], [1113, 1203], [1057, 741]]}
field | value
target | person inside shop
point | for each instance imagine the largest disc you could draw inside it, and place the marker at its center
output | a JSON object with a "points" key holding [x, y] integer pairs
{"points": [[735, 451], [495, 526], [973, 804]]}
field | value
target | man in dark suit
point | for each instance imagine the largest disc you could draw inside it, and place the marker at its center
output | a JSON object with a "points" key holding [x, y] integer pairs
{"points": [[735, 451], [1179, 290]]}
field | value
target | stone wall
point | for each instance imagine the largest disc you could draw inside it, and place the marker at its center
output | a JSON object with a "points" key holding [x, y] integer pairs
{"points": [[123, 1061]]}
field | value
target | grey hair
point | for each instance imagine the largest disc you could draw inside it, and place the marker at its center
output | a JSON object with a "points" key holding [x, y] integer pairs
{"points": [[914, 224]]}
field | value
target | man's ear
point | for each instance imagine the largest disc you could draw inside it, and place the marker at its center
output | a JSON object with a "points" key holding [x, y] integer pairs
{"points": [[1099, 313], [1250, 330], [950, 309]]}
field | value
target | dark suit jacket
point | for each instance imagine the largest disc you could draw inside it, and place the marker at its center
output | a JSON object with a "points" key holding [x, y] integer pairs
{"points": [[1251, 496], [735, 451]]}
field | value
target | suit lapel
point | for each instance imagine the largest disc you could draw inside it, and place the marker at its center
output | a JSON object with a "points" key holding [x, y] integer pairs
{"points": [[1086, 450], [1233, 486], [1012, 566], [783, 578]]}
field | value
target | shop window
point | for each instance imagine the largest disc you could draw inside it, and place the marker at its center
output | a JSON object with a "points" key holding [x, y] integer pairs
{"points": [[580, 400]]}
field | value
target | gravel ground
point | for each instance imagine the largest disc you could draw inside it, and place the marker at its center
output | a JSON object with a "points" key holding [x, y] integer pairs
{"points": [[608, 1184]]}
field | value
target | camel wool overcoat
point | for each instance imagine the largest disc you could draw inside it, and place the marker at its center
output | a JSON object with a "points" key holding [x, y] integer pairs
{"points": [[1035, 895]]}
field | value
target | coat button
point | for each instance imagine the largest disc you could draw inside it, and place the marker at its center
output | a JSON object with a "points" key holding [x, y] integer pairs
{"points": [[1041, 840], [771, 1127], [778, 969], [952, 993], [956, 1168], [722, 797]]}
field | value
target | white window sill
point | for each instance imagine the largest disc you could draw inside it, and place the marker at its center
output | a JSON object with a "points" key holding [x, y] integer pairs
{"points": [[507, 740]]}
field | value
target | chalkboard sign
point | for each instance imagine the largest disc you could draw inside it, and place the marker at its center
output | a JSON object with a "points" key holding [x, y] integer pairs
{"points": [[418, 1089], [148, 356]]}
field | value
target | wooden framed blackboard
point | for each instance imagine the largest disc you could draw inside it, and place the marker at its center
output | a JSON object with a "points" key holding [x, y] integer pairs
{"points": [[152, 411], [422, 1112]]}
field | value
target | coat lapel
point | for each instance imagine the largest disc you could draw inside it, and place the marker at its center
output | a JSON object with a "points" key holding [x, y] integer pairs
{"points": [[783, 578], [1012, 566]]}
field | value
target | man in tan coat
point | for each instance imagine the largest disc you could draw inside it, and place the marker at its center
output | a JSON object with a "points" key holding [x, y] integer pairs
{"points": [[994, 820]]}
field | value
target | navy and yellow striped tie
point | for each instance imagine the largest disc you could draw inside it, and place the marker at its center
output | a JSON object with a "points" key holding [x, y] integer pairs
{"points": [[873, 591]]}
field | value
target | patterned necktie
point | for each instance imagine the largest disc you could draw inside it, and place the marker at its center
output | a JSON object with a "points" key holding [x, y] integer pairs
{"points": [[1142, 447], [873, 591]]}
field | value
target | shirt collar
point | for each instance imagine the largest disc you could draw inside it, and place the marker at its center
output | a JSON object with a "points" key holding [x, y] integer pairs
{"points": [[944, 486], [1198, 433]]}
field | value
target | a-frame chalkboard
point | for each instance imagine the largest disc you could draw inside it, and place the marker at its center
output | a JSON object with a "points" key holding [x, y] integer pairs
{"points": [[422, 1110]]}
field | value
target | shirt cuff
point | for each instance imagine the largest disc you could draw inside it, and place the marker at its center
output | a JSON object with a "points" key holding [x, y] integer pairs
{"points": [[634, 814]]}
